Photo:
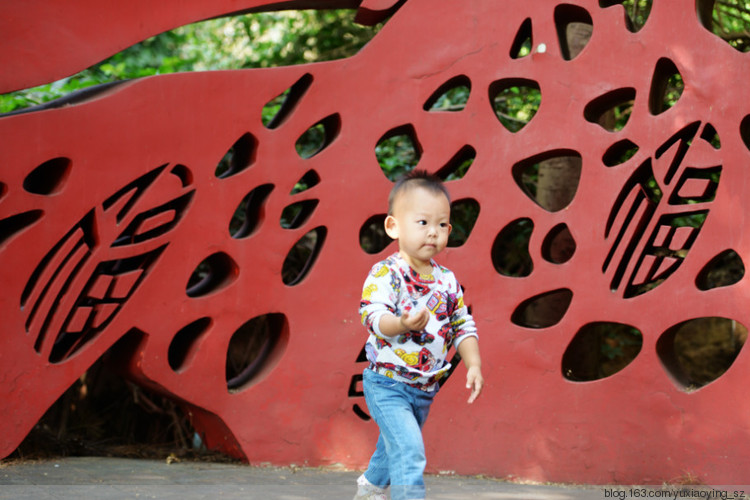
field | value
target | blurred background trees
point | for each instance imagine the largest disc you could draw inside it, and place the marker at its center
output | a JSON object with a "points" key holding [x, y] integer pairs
{"points": [[247, 41]]}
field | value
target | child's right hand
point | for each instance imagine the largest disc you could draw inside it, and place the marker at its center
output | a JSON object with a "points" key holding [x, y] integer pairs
{"points": [[415, 322]]}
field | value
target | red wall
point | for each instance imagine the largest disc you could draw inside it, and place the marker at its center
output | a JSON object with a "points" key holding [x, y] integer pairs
{"points": [[108, 205]]}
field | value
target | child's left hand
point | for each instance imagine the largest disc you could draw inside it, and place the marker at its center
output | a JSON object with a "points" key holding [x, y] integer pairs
{"points": [[475, 382]]}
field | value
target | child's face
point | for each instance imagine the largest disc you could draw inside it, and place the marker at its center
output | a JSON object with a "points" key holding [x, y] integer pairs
{"points": [[421, 224]]}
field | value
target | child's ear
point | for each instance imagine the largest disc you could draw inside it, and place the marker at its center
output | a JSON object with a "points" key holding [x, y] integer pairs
{"points": [[391, 227]]}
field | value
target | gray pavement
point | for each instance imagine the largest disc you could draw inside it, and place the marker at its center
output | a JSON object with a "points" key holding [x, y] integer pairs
{"points": [[123, 478]]}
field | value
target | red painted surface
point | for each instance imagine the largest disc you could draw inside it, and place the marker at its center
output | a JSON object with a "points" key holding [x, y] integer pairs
{"points": [[99, 243]]}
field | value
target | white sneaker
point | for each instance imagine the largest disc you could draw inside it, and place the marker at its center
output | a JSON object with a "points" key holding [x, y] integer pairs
{"points": [[368, 491]]}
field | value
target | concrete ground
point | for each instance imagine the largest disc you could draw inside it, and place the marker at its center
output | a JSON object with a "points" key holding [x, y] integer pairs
{"points": [[122, 478]]}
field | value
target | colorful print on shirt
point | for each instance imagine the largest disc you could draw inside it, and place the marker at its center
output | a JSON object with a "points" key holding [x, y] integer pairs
{"points": [[417, 358]]}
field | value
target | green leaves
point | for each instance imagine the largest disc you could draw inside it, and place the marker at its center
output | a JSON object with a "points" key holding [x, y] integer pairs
{"points": [[247, 41]]}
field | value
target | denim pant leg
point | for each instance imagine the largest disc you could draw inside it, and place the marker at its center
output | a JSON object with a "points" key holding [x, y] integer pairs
{"points": [[400, 412], [378, 472]]}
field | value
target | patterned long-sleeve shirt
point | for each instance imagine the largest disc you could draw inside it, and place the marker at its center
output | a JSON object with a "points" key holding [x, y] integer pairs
{"points": [[416, 358]]}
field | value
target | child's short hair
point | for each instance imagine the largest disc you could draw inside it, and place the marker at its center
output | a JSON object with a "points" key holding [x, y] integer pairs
{"points": [[414, 179]]}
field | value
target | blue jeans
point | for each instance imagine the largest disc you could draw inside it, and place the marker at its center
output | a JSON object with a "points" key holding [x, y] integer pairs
{"points": [[400, 412]]}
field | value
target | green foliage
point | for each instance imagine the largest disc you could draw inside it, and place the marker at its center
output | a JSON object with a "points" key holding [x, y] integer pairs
{"points": [[396, 155], [311, 141], [638, 11], [731, 21], [453, 100], [246, 41], [516, 106]]}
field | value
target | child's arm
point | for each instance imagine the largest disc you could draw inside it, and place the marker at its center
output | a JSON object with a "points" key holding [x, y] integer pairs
{"points": [[469, 351], [391, 325]]}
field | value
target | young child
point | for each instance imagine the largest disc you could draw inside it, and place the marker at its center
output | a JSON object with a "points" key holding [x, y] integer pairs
{"points": [[414, 312]]}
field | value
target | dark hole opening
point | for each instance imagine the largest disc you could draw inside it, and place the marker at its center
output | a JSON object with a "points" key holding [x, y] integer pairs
{"points": [[619, 152], [574, 27], [184, 344], [11, 226], [558, 246], [307, 181], [295, 215], [372, 236], [510, 250], [103, 414], [278, 109], [699, 351], [458, 165], [214, 273], [49, 177], [239, 157], [464, 214], [543, 310], [250, 213], [254, 348], [725, 269], [666, 87], [318, 137], [523, 41], [600, 350], [612, 110], [302, 256]]}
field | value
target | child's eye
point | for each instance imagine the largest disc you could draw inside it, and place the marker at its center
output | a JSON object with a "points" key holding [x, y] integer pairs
{"points": [[443, 224], [422, 222]]}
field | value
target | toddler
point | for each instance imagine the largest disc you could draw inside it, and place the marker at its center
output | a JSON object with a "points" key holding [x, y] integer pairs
{"points": [[414, 311]]}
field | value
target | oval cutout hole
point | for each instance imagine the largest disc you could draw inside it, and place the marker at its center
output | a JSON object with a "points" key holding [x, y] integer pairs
{"points": [[725, 269], [302, 256], [255, 349], [13, 225], [666, 87], [699, 351], [458, 165], [745, 131], [574, 28], [464, 214], [558, 246], [543, 310], [318, 137], [612, 110], [398, 151], [510, 250], [277, 110], [523, 41], [214, 273], [310, 179], [619, 152], [184, 344], [450, 96], [599, 350], [550, 179], [239, 157], [295, 215], [515, 102], [372, 236], [250, 212], [711, 136], [49, 177]]}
